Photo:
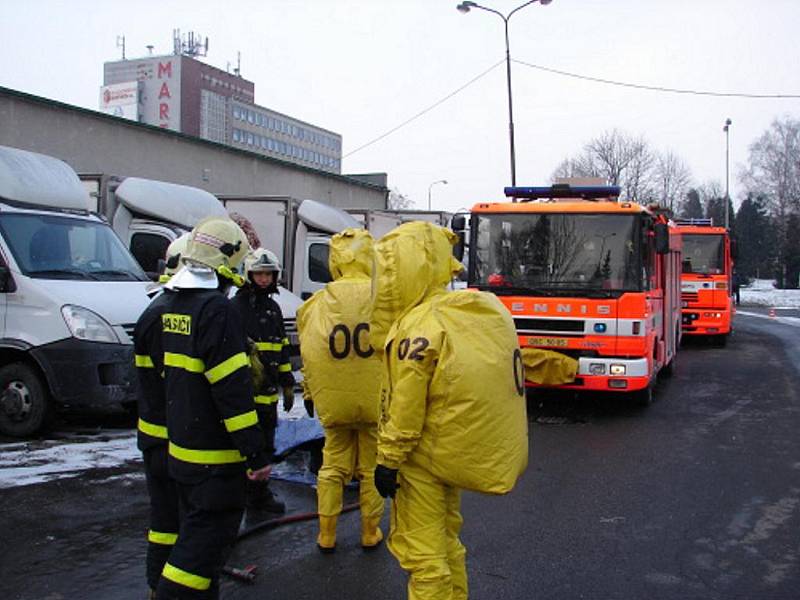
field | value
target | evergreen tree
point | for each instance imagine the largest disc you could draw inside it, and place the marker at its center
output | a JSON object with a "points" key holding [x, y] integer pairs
{"points": [[692, 207], [791, 253], [715, 210], [755, 239]]}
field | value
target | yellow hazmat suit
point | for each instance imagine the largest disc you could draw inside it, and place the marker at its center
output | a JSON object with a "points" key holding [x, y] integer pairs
{"points": [[453, 408], [342, 376]]}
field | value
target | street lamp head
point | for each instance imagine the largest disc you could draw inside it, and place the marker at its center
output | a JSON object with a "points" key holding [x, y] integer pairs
{"points": [[545, 2], [727, 124], [465, 6]]}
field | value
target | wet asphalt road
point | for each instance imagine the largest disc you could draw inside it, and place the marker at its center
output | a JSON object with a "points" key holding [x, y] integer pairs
{"points": [[695, 497]]}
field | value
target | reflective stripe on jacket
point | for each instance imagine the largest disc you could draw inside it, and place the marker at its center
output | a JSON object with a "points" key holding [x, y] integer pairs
{"points": [[211, 418], [263, 324], [148, 357]]}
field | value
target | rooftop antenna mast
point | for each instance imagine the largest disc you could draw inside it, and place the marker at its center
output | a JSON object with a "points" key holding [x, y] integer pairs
{"points": [[121, 44], [192, 44]]}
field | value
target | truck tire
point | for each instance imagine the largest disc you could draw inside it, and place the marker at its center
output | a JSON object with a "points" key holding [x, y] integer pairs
{"points": [[24, 401], [644, 397]]}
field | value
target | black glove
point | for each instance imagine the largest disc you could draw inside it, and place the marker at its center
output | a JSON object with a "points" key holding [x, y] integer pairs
{"points": [[309, 408], [386, 481], [288, 398]]}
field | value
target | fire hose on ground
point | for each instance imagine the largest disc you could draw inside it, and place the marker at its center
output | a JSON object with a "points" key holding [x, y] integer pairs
{"points": [[248, 574]]}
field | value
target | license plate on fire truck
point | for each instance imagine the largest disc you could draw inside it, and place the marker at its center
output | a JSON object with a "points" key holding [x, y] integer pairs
{"points": [[547, 341]]}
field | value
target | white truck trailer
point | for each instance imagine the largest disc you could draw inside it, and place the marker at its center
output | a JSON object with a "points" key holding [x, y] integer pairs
{"points": [[147, 215]]}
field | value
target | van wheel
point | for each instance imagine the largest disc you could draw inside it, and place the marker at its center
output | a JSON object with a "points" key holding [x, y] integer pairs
{"points": [[24, 403]]}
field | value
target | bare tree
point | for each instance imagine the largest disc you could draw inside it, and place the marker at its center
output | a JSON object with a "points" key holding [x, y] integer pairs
{"points": [[618, 158], [774, 169], [673, 178], [398, 201], [774, 172]]}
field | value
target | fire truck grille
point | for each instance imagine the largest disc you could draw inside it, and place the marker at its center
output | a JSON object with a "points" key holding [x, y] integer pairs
{"points": [[549, 325], [689, 296]]}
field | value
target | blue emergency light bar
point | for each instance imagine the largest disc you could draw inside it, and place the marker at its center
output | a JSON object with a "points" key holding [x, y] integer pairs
{"points": [[561, 190]]}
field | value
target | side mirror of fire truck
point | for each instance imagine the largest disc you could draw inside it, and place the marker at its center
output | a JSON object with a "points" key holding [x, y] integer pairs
{"points": [[459, 226], [662, 238], [734, 250]]}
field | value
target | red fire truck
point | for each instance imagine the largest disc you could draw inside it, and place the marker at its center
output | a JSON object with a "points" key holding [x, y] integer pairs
{"points": [[584, 274], [706, 280]]}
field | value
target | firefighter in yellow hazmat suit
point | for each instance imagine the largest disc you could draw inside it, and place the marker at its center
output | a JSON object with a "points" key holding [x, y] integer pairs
{"points": [[342, 378], [452, 403]]}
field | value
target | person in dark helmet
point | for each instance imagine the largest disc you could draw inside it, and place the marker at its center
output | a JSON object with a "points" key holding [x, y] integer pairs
{"points": [[152, 424], [263, 325], [215, 443]]}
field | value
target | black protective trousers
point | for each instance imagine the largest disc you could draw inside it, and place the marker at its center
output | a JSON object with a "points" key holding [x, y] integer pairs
{"points": [[164, 521], [211, 512]]}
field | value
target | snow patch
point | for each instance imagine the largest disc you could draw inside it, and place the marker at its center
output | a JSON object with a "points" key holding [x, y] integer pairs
{"points": [[48, 460], [761, 292]]}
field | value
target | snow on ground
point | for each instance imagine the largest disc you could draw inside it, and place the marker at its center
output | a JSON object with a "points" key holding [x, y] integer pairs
{"points": [[70, 455], [35, 462], [761, 292]]}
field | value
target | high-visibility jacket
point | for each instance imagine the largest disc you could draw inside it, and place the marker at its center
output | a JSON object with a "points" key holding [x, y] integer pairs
{"points": [[263, 324], [211, 419], [149, 357]]}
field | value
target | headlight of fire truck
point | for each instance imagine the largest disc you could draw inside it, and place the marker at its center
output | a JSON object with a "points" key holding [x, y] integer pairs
{"points": [[617, 369]]}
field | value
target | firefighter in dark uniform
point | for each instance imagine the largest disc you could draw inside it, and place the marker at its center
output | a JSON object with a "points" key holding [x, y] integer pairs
{"points": [[152, 426], [215, 442], [263, 326]]}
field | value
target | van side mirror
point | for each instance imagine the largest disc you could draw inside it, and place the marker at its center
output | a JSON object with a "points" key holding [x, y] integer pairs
{"points": [[662, 238], [7, 283], [459, 225]]}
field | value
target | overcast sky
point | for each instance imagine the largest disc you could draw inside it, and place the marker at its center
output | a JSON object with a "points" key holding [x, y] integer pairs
{"points": [[363, 67]]}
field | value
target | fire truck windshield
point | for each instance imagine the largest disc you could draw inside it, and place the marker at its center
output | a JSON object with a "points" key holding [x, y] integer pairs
{"points": [[558, 253], [703, 254]]}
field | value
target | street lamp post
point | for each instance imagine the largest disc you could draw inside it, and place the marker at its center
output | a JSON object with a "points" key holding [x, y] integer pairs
{"points": [[444, 181], [464, 7], [727, 168]]}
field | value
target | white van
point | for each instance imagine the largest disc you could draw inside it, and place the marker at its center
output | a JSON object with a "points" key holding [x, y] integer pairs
{"points": [[70, 295]]}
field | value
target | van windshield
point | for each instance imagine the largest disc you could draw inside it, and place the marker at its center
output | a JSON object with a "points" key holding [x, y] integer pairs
{"points": [[61, 247]]}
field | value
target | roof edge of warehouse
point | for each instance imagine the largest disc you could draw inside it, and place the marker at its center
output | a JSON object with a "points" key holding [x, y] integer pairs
{"points": [[364, 180]]}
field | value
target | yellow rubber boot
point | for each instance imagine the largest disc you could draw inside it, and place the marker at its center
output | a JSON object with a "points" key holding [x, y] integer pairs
{"points": [[326, 540], [371, 534]]}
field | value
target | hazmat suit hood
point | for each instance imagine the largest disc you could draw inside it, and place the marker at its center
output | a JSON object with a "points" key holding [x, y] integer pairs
{"points": [[412, 262], [351, 254]]}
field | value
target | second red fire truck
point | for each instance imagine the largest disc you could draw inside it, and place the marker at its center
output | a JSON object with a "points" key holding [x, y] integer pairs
{"points": [[706, 280]]}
